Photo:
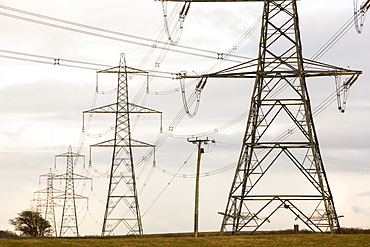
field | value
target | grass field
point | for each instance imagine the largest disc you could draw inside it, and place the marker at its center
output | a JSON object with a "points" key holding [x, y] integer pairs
{"points": [[290, 240]]}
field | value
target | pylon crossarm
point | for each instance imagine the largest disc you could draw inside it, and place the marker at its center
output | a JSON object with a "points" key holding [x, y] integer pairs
{"points": [[133, 108], [69, 154], [74, 177], [74, 195], [112, 108], [282, 145], [271, 70], [118, 69], [292, 197], [276, 74], [111, 143]]}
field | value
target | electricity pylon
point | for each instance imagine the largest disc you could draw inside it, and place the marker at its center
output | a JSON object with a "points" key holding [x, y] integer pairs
{"points": [[122, 207], [45, 205], [280, 98], [69, 223], [49, 205], [37, 201]]}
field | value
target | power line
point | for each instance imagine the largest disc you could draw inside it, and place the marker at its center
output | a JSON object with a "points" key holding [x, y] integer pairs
{"points": [[51, 60], [169, 183], [92, 32], [72, 63]]}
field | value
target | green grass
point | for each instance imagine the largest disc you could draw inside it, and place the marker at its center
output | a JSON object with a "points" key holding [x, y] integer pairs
{"points": [[289, 240]]}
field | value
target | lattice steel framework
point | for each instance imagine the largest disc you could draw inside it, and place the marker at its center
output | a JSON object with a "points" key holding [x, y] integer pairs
{"points": [[50, 203], [69, 222], [122, 207], [280, 98], [46, 205]]}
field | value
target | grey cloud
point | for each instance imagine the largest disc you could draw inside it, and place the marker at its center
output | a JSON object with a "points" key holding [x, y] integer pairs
{"points": [[45, 96], [360, 210]]}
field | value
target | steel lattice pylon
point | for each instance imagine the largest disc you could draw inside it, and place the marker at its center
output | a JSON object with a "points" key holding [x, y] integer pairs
{"points": [[122, 207], [281, 65], [280, 98], [50, 203], [69, 223]]}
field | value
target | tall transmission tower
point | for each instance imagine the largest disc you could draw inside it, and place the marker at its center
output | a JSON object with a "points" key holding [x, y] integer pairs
{"points": [[280, 98], [69, 223], [122, 212]]}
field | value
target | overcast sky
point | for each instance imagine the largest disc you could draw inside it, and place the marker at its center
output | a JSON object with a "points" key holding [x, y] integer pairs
{"points": [[42, 103]]}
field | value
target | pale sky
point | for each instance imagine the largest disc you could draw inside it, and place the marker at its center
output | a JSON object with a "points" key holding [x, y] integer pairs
{"points": [[42, 104]]}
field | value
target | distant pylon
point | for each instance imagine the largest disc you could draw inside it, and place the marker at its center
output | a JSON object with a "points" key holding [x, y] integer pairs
{"points": [[122, 207], [50, 203], [36, 202], [45, 203], [69, 221]]}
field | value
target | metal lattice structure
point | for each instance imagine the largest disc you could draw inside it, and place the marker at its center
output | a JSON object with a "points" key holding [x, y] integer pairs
{"points": [[69, 222], [280, 100], [46, 204], [50, 203], [122, 212]]}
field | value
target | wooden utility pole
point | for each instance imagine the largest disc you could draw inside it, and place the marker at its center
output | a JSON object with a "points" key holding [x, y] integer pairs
{"points": [[196, 208]]}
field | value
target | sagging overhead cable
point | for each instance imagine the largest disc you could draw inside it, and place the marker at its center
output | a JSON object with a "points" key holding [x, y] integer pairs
{"points": [[109, 34], [342, 91], [197, 92], [360, 14], [176, 30]]}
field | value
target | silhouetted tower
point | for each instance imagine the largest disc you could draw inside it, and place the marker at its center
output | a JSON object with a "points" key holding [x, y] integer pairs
{"points": [[122, 207], [280, 100], [69, 223]]}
